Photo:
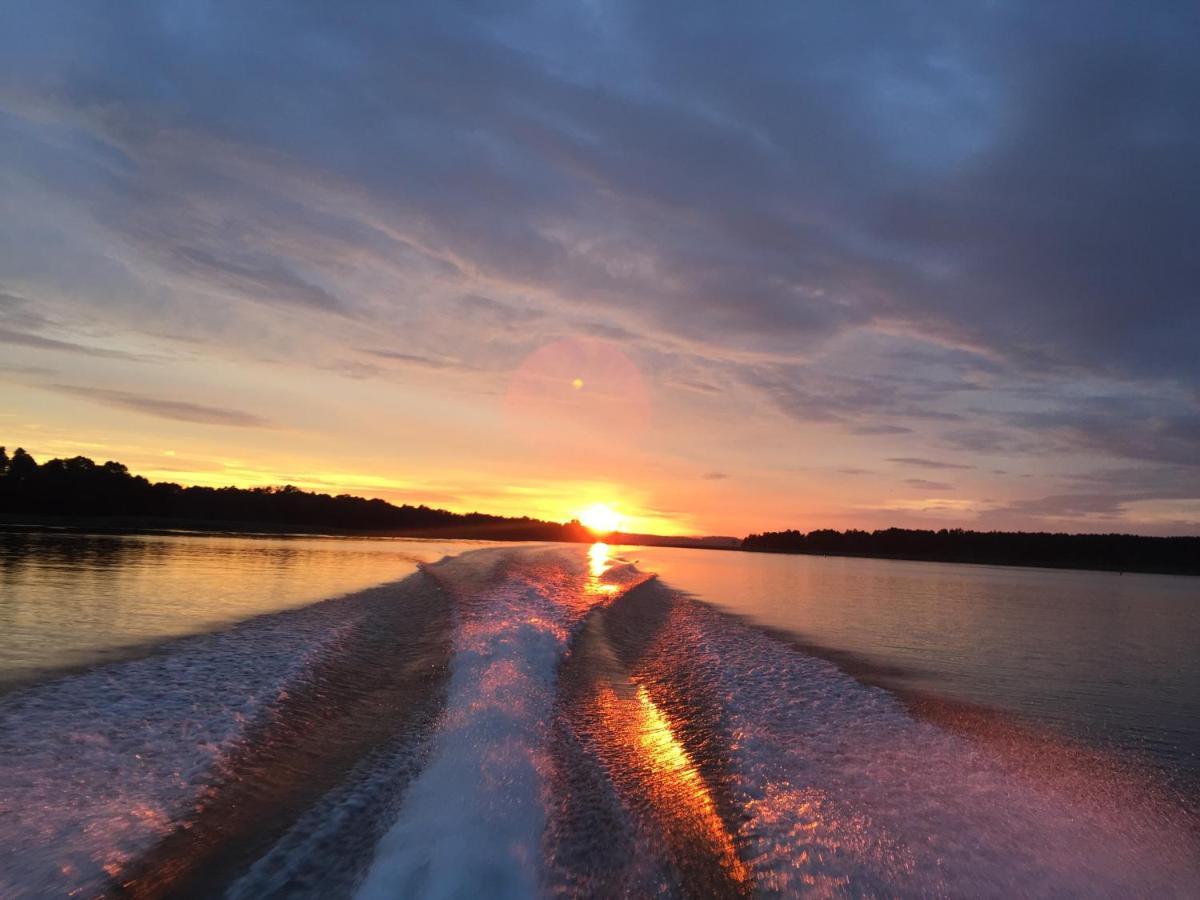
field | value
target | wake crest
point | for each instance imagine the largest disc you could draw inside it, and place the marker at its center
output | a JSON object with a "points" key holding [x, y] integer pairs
{"points": [[605, 735]]}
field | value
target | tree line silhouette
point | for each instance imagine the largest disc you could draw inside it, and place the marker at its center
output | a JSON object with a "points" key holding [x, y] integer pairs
{"points": [[81, 488], [1119, 552]]}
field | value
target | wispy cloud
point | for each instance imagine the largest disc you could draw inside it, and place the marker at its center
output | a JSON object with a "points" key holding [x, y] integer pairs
{"points": [[416, 359], [37, 342], [922, 463], [926, 485], [178, 410]]}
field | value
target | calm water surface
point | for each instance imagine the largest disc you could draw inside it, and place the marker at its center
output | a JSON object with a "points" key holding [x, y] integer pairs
{"points": [[1113, 659], [73, 599]]}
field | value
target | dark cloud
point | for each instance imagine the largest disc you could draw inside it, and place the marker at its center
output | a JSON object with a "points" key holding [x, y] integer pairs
{"points": [[1063, 506], [700, 387], [416, 359], [20, 319], [178, 410], [925, 485], [18, 312], [494, 311], [1106, 494], [1146, 482], [1122, 428], [37, 342], [857, 402], [26, 370], [997, 174], [264, 280], [879, 429], [714, 476], [992, 440], [921, 463]]}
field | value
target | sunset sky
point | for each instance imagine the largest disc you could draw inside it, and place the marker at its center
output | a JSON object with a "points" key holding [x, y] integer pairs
{"points": [[761, 266]]}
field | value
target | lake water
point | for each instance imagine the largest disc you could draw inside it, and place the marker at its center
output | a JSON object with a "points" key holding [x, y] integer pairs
{"points": [[1110, 659], [72, 599], [324, 717]]}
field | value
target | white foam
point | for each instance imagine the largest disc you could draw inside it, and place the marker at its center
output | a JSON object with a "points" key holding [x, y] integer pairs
{"points": [[845, 792], [101, 764], [472, 822], [326, 851]]}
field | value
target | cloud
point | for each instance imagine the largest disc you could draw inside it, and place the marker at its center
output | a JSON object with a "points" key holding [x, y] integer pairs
{"points": [[263, 280], [922, 463], [20, 320], [880, 428], [928, 485], [672, 197], [1121, 428], [1064, 506], [968, 225], [415, 359], [714, 476], [37, 342], [177, 410]]}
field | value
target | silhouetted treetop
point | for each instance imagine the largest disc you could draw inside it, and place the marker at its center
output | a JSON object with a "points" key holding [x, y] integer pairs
{"points": [[78, 487], [1121, 552]]}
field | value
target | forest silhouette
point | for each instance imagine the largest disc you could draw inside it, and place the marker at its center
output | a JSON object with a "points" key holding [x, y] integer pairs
{"points": [[1115, 552], [87, 493], [82, 489]]}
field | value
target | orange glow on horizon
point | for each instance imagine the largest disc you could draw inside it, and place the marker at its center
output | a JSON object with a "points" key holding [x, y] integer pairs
{"points": [[542, 494]]}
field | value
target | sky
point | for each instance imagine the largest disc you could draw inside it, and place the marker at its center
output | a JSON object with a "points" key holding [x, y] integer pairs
{"points": [[728, 267]]}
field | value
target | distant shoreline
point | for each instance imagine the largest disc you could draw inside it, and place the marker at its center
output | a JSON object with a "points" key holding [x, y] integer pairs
{"points": [[78, 494], [1175, 555], [132, 525], [1031, 564], [169, 526]]}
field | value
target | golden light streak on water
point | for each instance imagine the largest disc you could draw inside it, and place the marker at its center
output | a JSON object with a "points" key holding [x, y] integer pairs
{"points": [[598, 565], [673, 781], [598, 559]]}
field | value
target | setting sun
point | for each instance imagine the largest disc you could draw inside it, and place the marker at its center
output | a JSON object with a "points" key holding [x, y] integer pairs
{"points": [[600, 518]]}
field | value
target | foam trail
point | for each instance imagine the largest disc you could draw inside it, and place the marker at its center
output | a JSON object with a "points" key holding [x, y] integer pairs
{"points": [[328, 849], [843, 792], [636, 814], [137, 766], [379, 687], [472, 823]]}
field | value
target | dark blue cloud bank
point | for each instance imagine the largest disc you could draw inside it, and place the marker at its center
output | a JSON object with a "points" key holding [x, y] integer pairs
{"points": [[954, 229]]}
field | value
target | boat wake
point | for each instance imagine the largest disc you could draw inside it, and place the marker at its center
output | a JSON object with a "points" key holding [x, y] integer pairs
{"points": [[537, 721]]}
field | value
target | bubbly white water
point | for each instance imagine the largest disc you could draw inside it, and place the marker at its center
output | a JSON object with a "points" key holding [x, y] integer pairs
{"points": [[844, 791], [472, 823], [100, 764]]}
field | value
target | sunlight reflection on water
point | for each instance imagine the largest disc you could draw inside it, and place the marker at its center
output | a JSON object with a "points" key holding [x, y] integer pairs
{"points": [[598, 567]]}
